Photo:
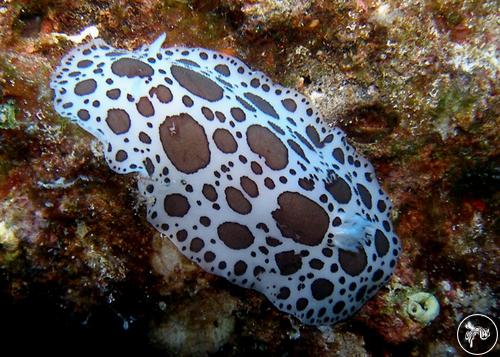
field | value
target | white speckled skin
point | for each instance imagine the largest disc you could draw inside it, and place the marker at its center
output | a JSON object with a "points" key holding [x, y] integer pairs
{"points": [[242, 174]]}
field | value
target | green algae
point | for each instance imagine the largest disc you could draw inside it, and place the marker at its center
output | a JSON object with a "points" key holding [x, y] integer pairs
{"points": [[9, 243], [8, 112], [452, 103]]}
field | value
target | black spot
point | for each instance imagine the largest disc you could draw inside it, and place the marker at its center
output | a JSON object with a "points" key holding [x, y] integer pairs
{"points": [[353, 263], [361, 293], [321, 288], [377, 275], [284, 293], [381, 243], [301, 304], [316, 264], [365, 195], [339, 306], [288, 262], [240, 267], [339, 189], [338, 155]]}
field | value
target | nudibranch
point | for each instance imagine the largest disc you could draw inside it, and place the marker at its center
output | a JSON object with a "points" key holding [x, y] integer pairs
{"points": [[241, 174]]}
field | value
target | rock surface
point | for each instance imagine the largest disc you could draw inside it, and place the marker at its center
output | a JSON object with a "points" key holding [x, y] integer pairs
{"points": [[413, 83]]}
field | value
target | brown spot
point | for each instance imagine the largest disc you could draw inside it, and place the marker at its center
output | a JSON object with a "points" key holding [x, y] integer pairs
{"points": [[249, 186], [339, 189], [176, 205], [321, 288], [209, 192], [381, 243], [83, 114], [312, 133], [288, 262], [185, 143], [207, 113], [258, 270], [205, 221], [187, 101], [85, 87], [131, 67], [223, 69], [263, 226], [365, 195], [144, 138], [238, 114], [237, 201], [163, 94], [304, 141], [338, 155], [289, 104], [224, 141], [352, 263], [118, 121], [298, 150], [256, 168], [235, 236], [196, 245], [301, 219], [276, 128], [269, 183], [273, 242], [181, 235], [240, 268], [150, 167], [113, 93], [121, 156], [264, 142], [245, 104], [220, 116], [84, 63], [188, 62], [197, 83], [145, 107], [209, 257], [306, 184], [262, 104]]}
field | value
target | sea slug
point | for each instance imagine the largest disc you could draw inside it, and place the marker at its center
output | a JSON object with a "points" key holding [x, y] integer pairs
{"points": [[241, 174]]}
